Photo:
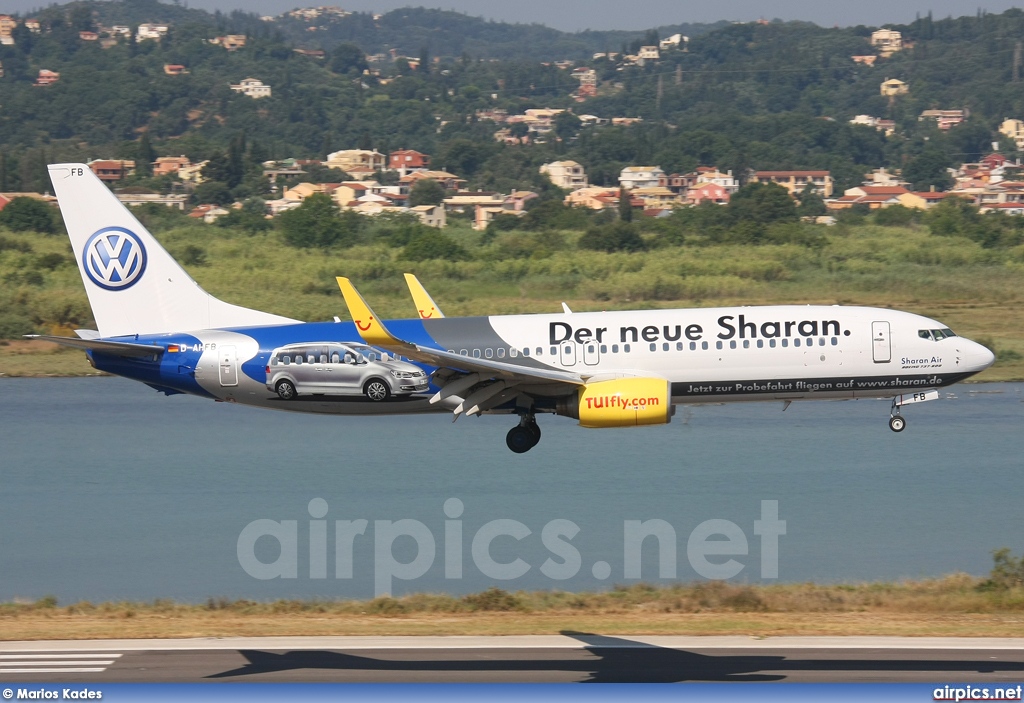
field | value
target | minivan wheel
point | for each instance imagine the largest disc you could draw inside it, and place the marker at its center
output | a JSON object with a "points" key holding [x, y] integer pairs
{"points": [[376, 390], [286, 390]]}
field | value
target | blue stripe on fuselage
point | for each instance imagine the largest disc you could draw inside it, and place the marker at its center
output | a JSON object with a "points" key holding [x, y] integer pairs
{"points": [[170, 373]]}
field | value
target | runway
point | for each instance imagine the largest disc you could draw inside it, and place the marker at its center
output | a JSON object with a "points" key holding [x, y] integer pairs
{"points": [[571, 657]]}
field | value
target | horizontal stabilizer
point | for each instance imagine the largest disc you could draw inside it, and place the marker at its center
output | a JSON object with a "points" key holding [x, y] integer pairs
{"points": [[127, 349]]}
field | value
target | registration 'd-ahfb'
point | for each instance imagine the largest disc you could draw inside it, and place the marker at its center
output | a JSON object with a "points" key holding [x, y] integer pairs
{"points": [[604, 369]]}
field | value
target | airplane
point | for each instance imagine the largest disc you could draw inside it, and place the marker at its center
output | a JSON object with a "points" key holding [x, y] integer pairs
{"points": [[156, 325]]}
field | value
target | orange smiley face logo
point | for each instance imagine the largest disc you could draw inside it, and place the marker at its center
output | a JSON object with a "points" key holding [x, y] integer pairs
{"points": [[359, 324], [427, 316]]}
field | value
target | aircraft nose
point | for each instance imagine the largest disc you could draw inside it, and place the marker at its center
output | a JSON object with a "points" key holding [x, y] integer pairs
{"points": [[979, 356]]}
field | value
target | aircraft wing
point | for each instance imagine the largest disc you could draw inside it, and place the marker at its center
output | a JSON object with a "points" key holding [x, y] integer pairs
{"points": [[115, 348], [497, 380]]}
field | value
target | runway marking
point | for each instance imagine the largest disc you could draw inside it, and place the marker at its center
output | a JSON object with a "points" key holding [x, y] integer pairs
{"points": [[80, 662]]}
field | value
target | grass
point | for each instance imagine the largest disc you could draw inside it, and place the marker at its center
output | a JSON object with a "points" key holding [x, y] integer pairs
{"points": [[974, 290], [957, 605]]}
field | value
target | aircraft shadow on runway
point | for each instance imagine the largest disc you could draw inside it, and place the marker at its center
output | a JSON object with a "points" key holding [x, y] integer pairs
{"points": [[614, 660]]}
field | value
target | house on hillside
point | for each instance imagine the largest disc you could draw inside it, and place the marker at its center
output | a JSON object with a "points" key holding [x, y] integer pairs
{"points": [[166, 165], [568, 175], [945, 119], [352, 161], [431, 215], [175, 69], [893, 87], [253, 87], [887, 42], [796, 181], [707, 192], [405, 160], [47, 77], [110, 170], [151, 31], [640, 177]]}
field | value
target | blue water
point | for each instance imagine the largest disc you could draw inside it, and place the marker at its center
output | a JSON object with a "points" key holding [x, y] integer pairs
{"points": [[109, 490]]}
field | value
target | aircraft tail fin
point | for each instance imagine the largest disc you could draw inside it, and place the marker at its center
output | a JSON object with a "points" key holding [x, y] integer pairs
{"points": [[425, 305], [134, 285]]}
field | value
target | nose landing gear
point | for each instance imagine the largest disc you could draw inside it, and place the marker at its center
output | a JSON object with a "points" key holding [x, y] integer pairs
{"points": [[897, 423], [524, 436]]}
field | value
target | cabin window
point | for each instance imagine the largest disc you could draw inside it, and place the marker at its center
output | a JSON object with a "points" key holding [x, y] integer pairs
{"points": [[476, 353], [732, 344], [693, 346], [615, 349], [821, 342], [513, 352], [625, 348], [704, 346], [604, 348], [591, 348], [526, 351], [654, 347], [835, 341], [665, 347], [501, 353], [540, 351], [796, 342], [679, 346], [488, 353], [760, 344], [785, 342], [746, 344], [554, 350], [771, 343], [718, 345], [463, 352]]}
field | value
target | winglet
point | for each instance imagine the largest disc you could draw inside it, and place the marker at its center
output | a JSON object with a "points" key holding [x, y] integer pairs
{"points": [[425, 305], [369, 325]]}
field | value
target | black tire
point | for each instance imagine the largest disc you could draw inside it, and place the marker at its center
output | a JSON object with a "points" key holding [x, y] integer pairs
{"points": [[286, 390], [535, 429], [520, 439], [377, 390], [897, 423]]}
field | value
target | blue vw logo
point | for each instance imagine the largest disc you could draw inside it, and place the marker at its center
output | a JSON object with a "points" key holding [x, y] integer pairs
{"points": [[114, 258]]}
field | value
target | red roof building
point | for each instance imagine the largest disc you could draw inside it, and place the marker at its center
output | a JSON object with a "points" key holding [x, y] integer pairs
{"points": [[407, 160]]}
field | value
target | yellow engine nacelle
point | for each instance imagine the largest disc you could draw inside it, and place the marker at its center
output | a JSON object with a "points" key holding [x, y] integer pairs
{"points": [[622, 402]]}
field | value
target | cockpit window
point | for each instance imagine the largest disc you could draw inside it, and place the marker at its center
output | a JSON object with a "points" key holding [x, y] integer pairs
{"points": [[936, 335], [924, 334]]}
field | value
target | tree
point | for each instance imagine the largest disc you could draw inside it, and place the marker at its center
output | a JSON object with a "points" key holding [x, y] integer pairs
{"points": [[811, 204], [145, 157], [317, 223], [617, 236], [625, 205], [348, 57], [426, 191], [567, 125], [762, 203], [928, 169], [433, 244], [28, 215], [213, 192]]}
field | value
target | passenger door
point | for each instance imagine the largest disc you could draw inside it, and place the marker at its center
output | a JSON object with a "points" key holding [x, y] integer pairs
{"points": [[881, 345], [591, 353], [228, 363]]}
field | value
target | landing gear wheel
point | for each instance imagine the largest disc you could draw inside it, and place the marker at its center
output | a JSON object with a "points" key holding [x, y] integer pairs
{"points": [[521, 439], [535, 429], [376, 390], [897, 423], [286, 390]]}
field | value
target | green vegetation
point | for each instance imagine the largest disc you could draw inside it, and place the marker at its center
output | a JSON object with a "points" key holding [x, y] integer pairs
{"points": [[958, 604], [963, 275], [773, 96]]}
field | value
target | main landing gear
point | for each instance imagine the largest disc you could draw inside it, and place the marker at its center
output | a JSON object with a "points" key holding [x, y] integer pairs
{"points": [[524, 436], [897, 423]]}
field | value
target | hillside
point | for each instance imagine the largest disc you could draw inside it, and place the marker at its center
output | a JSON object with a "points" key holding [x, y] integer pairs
{"points": [[775, 95]]}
